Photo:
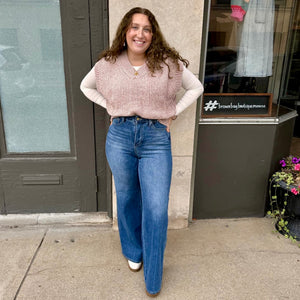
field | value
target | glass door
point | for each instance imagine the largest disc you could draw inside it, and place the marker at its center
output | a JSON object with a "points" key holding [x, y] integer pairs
{"points": [[47, 126]]}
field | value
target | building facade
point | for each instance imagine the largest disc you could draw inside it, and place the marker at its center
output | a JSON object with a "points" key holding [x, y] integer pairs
{"points": [[52, 138]]}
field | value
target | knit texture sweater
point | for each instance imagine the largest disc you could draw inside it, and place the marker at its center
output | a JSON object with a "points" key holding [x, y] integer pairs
{"points": [[129, 92]]}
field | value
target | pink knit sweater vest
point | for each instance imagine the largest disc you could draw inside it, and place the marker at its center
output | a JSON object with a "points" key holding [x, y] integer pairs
{"points": [[130, 93]]}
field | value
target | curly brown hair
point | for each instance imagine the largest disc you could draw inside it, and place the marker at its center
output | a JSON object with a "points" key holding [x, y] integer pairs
{"points": [[158, 51]]}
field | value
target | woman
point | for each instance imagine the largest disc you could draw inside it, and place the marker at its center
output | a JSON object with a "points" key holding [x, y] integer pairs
{"points": [[136, 80]]}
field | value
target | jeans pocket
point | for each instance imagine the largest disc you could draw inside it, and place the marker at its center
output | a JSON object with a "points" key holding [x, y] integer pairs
{"points": [[117, 121], [159, 126]]}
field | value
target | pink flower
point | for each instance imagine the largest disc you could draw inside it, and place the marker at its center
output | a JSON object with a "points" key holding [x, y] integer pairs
{"points": [[282, 162], [294, 191], [297, 167]]}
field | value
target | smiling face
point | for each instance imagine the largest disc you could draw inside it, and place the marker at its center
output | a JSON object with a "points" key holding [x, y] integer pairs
{"points": [[138, 35]]}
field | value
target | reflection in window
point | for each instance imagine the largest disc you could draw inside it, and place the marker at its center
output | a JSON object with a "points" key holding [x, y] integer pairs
{"points": [[8, 36], [51, 44]]}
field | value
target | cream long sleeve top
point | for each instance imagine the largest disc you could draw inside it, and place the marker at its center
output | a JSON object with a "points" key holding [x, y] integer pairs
{"points": [[190, 83]]}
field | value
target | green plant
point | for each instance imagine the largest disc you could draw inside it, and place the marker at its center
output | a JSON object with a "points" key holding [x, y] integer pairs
{"points": [[289, 176]]}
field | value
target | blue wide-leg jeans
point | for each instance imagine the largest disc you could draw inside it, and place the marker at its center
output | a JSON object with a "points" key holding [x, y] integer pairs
{"points": [[139, 154]]}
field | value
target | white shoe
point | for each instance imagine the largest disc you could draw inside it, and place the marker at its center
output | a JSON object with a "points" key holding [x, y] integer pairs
{"points": [[134, 267]]}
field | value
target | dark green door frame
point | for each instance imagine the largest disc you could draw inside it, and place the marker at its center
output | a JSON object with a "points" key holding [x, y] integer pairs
{"points": [[99, 32], [96, 12]]}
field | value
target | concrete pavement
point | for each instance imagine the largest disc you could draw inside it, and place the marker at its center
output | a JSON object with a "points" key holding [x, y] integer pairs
{"points": [[211, 259]]}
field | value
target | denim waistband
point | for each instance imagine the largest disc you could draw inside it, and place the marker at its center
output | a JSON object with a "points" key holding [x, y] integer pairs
{"points": [[135, 118]]}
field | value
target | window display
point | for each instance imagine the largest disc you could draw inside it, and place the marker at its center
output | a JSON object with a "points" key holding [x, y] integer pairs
{"points": [[255, 54], [247, 42], [253, 49]]}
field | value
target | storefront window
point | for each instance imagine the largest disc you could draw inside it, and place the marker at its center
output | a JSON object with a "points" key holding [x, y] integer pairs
{"points": [[290, 86], [240, 47], [248, 44], [253, 50]]}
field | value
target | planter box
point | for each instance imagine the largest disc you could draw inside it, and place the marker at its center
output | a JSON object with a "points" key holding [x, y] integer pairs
{"points": [[292, 208], [293, 205]]}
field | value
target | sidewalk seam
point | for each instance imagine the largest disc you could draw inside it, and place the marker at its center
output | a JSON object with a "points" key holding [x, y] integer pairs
{"points": [[30, 264]]}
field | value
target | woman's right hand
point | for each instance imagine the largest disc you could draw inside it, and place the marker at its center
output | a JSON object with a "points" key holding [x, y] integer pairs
{"points": [[169, 123]]}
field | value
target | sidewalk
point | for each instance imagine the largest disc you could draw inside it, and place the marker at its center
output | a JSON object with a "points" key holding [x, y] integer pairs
{"points": [[212, 259]]}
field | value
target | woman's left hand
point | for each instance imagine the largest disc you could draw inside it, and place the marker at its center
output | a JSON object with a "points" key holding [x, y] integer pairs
{"points": [[169, 122]]}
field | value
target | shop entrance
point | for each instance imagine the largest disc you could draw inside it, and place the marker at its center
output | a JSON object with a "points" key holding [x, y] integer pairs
{"points": [[49, 160]]}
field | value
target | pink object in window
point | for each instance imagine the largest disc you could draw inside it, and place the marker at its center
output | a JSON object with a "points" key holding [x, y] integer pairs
{"points": [[237, 13]]}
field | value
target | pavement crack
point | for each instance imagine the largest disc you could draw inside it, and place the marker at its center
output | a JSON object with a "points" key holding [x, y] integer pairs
{"points": [[30, 264]]}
